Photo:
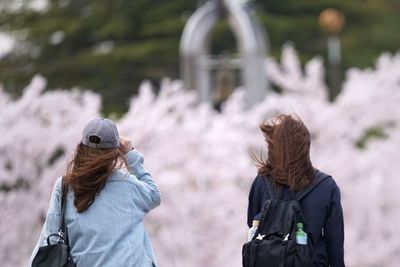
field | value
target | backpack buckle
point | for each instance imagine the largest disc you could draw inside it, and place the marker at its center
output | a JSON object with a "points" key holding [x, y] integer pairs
{"points": [[259, 238], [286, 238]]}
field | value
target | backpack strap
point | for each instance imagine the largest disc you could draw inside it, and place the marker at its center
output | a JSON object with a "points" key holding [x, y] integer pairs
{"points": [[318, 178]]}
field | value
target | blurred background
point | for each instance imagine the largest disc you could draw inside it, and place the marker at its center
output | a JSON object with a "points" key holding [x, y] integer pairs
{"points": [[335, 63], [111, 46]]}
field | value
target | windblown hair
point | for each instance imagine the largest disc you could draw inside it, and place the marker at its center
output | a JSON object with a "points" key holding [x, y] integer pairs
{"points": [[288, 161], [88, 172]]}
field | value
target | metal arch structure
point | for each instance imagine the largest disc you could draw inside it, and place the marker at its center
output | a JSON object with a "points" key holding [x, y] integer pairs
{"points": [[251, 40]]}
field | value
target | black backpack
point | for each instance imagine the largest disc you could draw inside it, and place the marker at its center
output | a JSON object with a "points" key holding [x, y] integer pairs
{"points": [[274, 243]]}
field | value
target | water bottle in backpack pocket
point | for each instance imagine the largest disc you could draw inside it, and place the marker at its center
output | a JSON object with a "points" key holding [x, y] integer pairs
{"points": [[252, 230], [301, 236]]}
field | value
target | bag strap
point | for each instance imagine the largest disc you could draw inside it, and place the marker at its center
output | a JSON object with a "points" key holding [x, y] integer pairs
{"points": [[64, 191], [318, 178]]}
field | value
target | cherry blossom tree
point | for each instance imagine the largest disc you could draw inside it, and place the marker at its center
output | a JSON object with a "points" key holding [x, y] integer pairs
{"points": [[200, 159]]}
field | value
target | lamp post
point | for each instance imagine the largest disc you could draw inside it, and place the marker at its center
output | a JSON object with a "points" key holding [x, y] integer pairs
{"points": [[332, 22]]}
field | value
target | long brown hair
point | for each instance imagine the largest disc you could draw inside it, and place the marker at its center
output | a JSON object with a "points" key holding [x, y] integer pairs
{"points": [[88, 172], [288, 161]]}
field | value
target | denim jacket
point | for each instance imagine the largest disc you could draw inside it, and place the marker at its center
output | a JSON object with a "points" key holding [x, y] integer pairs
{"points": [[111, 232]]}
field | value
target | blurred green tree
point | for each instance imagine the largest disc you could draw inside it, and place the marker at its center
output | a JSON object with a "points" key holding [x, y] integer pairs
{"points": [[106, 45], [110, 46], [371, 27]]}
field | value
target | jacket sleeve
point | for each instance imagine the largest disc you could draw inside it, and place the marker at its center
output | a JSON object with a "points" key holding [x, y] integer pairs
{"points": [[256, 199], [334, 230], [145, 188], [52, 223]]}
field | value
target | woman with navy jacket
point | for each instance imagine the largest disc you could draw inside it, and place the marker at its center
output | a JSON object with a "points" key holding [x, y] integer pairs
{"points": [[289, 166]]}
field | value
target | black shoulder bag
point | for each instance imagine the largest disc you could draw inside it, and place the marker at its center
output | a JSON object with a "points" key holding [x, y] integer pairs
{"points": [[58, 254]]}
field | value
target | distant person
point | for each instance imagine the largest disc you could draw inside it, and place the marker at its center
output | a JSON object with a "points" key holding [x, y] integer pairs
{"points": [[288, 169], [105, 206]]}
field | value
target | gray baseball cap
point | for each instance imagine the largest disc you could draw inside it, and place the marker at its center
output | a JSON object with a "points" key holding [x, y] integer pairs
{"points": [[100, 133]]}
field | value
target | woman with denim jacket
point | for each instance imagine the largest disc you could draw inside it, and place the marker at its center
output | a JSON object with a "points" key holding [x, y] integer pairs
{"points": [[105, 206]]}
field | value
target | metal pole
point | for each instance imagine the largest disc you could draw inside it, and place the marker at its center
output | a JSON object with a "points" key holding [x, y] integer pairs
{"points": [[334, 65]]}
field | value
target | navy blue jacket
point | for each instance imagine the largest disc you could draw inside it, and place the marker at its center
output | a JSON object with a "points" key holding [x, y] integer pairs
{"points": [[323, 217]]}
